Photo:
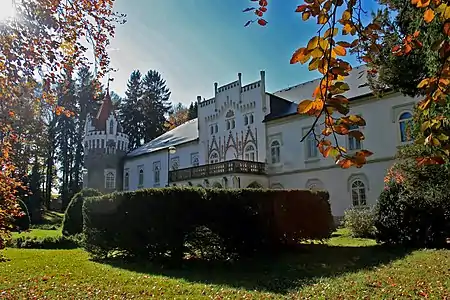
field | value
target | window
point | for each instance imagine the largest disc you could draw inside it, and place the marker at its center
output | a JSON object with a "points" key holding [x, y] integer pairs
{"points": [[250, 153], [358, 193], [175, 163], [405, 123], [311, 147], [103, 144], [126, 181], [211, 129], [156, 171], [216, 127], [233, 124], [275, 152], [246, 120], [194, 159], [98, 143], [141, 178], [110, 181], [214, 158], [353, 143], [111, 127], [251, 119], [228, 125]]}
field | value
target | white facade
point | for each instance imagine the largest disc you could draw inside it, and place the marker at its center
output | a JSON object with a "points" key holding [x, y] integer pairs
{"points": [[245, 136]]}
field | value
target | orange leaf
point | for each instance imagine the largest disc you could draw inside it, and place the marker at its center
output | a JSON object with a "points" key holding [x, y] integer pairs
{"points": [[300, 56], [345, 163], [262, 22], [340, 50], [428, 15], [301, 8], [305, 106], [306, 15], [446, 28]]}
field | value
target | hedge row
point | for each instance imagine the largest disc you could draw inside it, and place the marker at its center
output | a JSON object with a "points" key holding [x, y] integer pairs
{"points": [[158, 223]]}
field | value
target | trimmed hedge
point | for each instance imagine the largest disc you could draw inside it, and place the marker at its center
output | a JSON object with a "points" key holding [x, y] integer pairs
{"points": [[49, 242], [73, 217], [164, 222]]}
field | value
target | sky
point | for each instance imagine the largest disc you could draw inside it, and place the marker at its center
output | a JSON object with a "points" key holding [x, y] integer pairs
{"points": [[194, 43]]}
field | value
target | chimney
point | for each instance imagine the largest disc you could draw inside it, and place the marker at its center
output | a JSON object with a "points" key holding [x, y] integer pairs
{"points": [[263, 91], [199, 99], [240, 79], [215, 88]]}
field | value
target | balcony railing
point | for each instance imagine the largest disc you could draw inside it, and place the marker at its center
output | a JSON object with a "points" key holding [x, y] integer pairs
{"points": [[221, 168]]}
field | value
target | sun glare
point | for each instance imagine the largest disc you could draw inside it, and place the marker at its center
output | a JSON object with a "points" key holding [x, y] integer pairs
{"points": [[6, 9]]}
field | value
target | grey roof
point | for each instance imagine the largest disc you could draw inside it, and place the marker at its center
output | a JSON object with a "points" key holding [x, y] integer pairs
{"points": [[284, 103], [357, 80], [184, 133]]}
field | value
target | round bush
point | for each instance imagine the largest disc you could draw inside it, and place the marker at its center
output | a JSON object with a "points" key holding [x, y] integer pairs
{"points": [[73, 217], [360, 222], [23, 222], [418, 217]]}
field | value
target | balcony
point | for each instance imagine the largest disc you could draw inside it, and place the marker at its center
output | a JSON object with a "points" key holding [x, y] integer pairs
{"points": [[221, 168]]}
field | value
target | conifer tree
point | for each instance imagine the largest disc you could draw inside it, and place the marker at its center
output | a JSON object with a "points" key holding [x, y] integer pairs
{"points": [[130, 112], [192, 110]]}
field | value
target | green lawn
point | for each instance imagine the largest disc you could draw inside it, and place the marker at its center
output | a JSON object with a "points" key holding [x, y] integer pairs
{"points": [[344, 268], [37, 233]]}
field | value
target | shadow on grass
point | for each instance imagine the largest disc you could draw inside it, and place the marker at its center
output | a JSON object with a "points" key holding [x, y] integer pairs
{"points": [[277, 275]]}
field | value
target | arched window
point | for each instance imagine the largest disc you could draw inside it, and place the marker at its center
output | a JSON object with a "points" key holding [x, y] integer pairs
{"points": [[233, 124], [311, 146], [250, 153], [405, 125], [275, 152], [251, 119], [358, 189], [214, 158], [228, 125], [111, 127], [141, 178], [246, 120], [353, 143], [216, 128], [126, 181], [110, 181]]}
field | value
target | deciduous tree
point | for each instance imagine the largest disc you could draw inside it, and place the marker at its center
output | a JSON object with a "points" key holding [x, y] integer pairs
{"points": [[343, 31], [43, 38]]}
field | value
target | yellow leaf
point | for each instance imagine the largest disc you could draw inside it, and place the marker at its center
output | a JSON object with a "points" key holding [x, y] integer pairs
{"points": [[316, 53], [300, 56], [314, 64], [305, 106], [313, 43], [306, 15], [340, 50], [322, 19], [428, 15], [423, 83], [328, 32], [346, 15], [358, 120]]}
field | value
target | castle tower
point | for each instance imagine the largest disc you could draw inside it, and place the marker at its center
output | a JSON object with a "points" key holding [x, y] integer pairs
{"points": [[105, 146]]}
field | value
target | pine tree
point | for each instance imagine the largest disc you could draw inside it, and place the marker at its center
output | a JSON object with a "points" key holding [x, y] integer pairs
{"points": [[192, 110], [130, 112], [155, 105]]}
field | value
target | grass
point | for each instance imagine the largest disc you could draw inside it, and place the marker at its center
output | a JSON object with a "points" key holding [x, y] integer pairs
{"points": [[344, 268], [37, 233]]}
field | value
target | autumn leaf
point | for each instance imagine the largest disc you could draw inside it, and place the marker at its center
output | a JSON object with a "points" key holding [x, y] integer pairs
{"points": [[314, 64], [446, 28], [340, 50], [300, 56], [301, 8], [306, 15], [428, 15], [305, 106]]}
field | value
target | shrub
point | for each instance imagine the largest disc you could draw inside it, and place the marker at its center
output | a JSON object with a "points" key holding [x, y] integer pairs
{"points": [[48, 242], [73, 218], [360, 222], [418, 217], [165, 223], [22, 223]]}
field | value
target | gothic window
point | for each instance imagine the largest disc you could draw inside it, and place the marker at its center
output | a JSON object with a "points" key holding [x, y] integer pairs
{"points": [[156, 172], [126, 181], [211, 129], [103, 144], [233, 124], [228, 124], [250, 153], [111, 127], [353, 143], [311, 147], [251, 119], [358, 189], [405, 125], [98, 144], [141, 177], [194, 159], [275, 152], [214, 158], [216, 127], [229, 114], [246, 120], [110, 181], [175, 163]]}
